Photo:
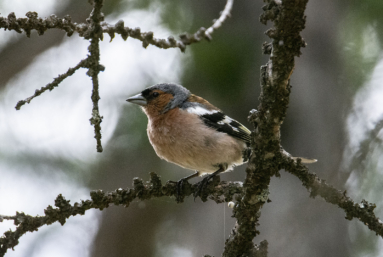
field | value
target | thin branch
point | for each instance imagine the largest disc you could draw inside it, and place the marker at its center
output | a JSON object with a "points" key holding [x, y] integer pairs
{"points": [[52, 85], [147, 38], [95, 33], [266, 159], [224, 15], [33, 22], [203, 33], [363, 211], [218, 191]]}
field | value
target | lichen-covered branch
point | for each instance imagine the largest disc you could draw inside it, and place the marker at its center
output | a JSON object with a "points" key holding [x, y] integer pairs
{"points": [[148, 38], [363, 211], [52, 85], [33, 22], [266, 159], [95, 34], [217, 191]]}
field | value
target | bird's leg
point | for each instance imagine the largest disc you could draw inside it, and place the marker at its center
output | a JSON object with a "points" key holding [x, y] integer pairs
{"points": [[204, 181], [180, 183]]}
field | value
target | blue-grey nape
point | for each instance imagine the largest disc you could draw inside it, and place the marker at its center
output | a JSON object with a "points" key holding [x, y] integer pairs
{"points": [[180, 94]]}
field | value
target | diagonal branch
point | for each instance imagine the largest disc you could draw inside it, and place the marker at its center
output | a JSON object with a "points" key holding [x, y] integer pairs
{"points": [[224, 15], [363, 211], [206, 33], [218, 192], [52, 85]]}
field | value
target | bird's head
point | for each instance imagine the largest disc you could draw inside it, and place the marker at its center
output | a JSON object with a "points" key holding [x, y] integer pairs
{"points": [[160, 98]]}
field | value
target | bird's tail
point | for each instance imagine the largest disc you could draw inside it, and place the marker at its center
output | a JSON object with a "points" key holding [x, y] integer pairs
{"points": [[303, 159]]}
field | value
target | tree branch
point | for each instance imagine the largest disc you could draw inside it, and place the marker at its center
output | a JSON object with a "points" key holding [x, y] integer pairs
{"points": [[186, 39], [52, 85], [33, 22], [217, 191], [265, 162], [224, 15], [363, 211], [95, 34]]}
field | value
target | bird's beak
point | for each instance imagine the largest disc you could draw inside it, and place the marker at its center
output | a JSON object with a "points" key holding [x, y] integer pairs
{"points": [[138, 99]]}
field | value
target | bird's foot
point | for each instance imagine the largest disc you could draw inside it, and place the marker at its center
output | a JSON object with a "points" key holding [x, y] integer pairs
{"points": [[179, 186], [202, 185]]}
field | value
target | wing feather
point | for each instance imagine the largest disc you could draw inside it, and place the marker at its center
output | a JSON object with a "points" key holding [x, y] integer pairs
{"points": [[216, 119], [223, 123]]}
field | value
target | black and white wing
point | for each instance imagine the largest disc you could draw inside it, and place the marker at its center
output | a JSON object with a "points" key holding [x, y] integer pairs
{"points": [[216, 119], [223, 123]]}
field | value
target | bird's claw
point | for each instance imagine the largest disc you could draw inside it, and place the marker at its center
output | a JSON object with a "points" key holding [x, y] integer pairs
{"points": [[179, 185], [201, 186]]}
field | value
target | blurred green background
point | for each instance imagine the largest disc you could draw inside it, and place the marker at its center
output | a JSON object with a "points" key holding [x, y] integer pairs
{"points": [[344, 46]]}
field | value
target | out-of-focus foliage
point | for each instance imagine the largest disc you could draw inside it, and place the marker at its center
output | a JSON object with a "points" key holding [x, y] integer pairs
{"points": [[361, 32], [362, 157]]}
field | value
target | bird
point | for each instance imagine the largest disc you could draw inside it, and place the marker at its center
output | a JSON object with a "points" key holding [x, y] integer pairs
{"points": [[187, 130]]}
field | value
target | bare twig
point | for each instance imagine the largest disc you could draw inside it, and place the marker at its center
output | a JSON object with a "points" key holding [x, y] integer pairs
{"points": [[363, 211], [224, 15], [203, 33], [147, 38], [33, 22], [52, 85], [218, 191]]}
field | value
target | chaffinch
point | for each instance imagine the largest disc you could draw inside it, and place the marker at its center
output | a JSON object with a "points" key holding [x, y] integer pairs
{"points": [[187, 130]]}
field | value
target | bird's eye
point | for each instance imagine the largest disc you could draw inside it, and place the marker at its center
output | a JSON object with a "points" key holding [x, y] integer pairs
{"points": [[155, 94]]}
